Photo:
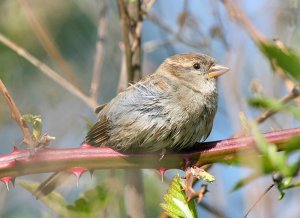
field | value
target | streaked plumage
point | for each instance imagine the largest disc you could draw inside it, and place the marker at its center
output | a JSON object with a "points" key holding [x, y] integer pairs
{"points": [[170, 109]]}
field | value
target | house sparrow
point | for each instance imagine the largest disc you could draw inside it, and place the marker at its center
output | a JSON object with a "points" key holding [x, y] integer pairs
{"points": [[168, 110]]}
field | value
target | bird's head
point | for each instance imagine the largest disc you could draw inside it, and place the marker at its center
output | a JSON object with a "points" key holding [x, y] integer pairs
{"points": [[185, 65]]}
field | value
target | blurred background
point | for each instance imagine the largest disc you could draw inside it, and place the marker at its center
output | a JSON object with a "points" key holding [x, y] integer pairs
{"points": [[63, 35]]}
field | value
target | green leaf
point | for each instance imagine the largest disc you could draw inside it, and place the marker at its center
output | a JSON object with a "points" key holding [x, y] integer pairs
{"points": [[92, 201], [176, 204], [285, 58], [292, 145], [275, 105], [90, 204], [36, 122], [266, 103]]}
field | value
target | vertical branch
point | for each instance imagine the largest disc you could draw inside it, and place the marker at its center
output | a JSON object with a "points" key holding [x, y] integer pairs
{"points": [[131, 20], [15, 113], [102, 30], [134, 9], [124, 21]]}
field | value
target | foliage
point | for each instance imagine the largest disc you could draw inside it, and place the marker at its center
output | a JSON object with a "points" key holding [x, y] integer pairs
{"points": [[176, 204], [285, 58], [36, 122], [90, 204]]}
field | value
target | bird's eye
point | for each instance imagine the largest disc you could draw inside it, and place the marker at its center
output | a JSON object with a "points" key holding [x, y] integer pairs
{"points": [[196, 66]]}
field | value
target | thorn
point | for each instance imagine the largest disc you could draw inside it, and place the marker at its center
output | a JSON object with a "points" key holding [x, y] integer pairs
{"points": [[77, 171], [162, 171], [6, 181], [15, 150], [91, 173], [187, 161], [85, 145]]}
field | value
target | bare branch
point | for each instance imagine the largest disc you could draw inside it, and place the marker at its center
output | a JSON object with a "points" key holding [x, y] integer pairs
{"points": [[258, 200], [166, 27], [102, 30], [48, 43], [124, 21], [15, 113], [123, 80], [48, 71], [289, 97], [21, 162], [236, 14]]}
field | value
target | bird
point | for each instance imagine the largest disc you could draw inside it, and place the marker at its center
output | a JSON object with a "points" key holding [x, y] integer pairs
{"points": [[171, 109]]}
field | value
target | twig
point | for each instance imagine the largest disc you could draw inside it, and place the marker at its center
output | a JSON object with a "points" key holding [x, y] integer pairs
{"points": [[123, 79], [48, 43], [258, 200], [166, 27], [102, 30], [268, 113], [236, 14], [124, 21], [48, 71], [138, 29], [20, 162], [15, 113]]}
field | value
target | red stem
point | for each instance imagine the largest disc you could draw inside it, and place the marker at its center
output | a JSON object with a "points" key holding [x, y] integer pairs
{"points": [[20, 162]]}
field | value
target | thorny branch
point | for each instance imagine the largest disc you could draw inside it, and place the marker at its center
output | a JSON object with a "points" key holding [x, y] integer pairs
{"points": [[20, 162], [17, 115]]}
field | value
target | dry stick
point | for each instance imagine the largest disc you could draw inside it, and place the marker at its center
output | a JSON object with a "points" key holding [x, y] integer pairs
{"points": [[138, 29], [15, 113], [236, 14], [102, 30], [123, 84], [124, 21], [48, 43], [166, 27], [48, 71], [258, 200]]}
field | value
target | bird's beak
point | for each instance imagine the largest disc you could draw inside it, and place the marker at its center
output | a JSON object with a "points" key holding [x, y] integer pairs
{"points": [[217, 71]]}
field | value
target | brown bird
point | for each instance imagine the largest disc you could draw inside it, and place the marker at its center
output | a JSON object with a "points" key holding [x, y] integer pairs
{"points": [[169, 110]]}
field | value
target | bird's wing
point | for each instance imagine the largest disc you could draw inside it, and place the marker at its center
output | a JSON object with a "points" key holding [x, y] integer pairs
{"points": [[98, 134], [99, 108]]}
